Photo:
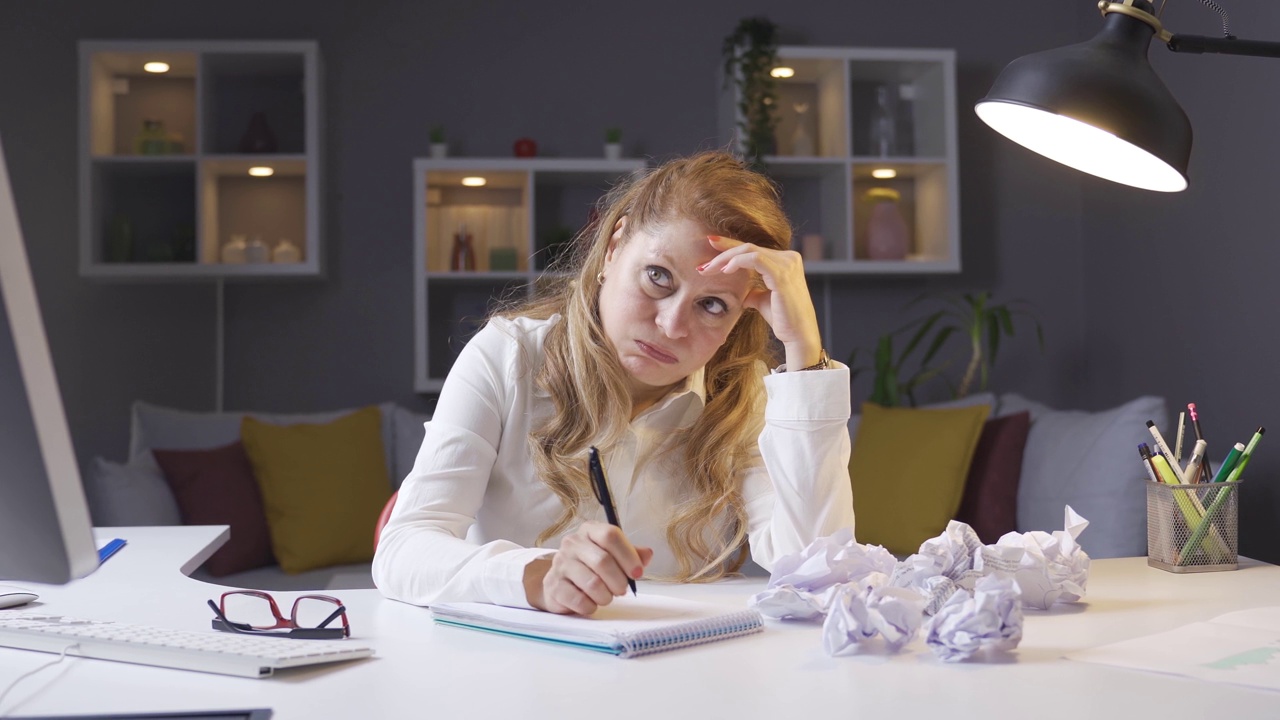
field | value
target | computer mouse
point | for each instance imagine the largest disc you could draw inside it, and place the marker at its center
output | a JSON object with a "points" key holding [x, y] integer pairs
{"points": [[12, 596]]}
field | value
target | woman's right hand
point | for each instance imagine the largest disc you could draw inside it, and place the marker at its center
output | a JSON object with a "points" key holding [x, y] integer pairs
{"points": [[588, 571]]}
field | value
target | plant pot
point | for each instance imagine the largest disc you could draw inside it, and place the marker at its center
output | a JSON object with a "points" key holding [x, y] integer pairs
{"points": [[439, 150], [613, 151]]}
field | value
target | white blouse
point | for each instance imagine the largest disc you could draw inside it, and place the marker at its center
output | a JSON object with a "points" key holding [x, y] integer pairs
{"points": [[465, 522]]}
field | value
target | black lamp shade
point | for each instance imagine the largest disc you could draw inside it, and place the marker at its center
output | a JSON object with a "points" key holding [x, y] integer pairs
{"points": [[1097, 106]]}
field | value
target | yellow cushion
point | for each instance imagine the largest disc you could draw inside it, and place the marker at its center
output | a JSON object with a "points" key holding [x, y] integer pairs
{"points": [[908, 469], [322, 487]]}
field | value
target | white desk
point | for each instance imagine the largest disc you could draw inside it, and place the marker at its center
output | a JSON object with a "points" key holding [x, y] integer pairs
{"points": [[422, 670]]}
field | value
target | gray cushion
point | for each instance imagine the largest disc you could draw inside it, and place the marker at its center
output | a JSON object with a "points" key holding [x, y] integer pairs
{"points": [[128, 496], [410, 429], [1088, 460]]}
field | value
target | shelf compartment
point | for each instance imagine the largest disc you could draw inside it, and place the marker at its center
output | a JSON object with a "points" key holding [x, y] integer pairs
{"points": [[816, 191], [565, 204], [495, 215], [917, 97], [236, 85], [235, 203], [456, 309], [925, 205], [156, 200], [811, 111], [122, 95]]}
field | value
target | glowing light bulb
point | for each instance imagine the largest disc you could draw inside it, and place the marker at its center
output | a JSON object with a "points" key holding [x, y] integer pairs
{"points": [[262, 171], [884, 173], [474, 181], [782, 72], [156, 67]]}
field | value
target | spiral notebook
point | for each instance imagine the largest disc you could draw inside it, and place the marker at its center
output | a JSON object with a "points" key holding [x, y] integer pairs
{"points": [[630, 626]]}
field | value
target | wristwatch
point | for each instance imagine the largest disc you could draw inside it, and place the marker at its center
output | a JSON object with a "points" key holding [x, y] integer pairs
{"points": [[824, 361]]}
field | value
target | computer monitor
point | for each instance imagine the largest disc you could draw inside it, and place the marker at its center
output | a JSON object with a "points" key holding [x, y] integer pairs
{"points": [[45, 532]]}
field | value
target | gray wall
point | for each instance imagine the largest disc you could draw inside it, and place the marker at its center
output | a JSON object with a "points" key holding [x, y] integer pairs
{"points": [[561, 71], [1179, 288]]}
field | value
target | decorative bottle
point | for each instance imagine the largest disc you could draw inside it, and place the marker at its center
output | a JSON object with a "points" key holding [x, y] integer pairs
{"points": [[888, 237], [464, 252], [233, 253], [884, 126], [286, 252], [257, 251], [258, 137]]}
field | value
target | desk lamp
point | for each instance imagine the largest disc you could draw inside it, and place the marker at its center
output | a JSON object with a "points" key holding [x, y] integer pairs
{"points": [[1099, 107]]}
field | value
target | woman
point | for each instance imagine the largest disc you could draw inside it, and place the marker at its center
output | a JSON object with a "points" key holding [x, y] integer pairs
{"points": [[656, 351]]}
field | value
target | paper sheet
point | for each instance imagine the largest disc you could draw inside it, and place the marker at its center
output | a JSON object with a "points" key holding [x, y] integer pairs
{"points": [[1240, 648]]}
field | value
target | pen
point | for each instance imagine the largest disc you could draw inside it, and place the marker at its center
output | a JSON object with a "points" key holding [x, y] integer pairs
{"points": [[1164, 448], [1195, 423], [1229, 464], [1177, 444], [1244, 456], [1193, 464], [601, 487]]}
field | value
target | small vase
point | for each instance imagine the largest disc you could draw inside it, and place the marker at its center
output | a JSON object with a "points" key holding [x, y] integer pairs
{"points": [[286, 252], [888, 237], [439, 150], [257, 251], [258, 137], [612, 151], [233, 253]]}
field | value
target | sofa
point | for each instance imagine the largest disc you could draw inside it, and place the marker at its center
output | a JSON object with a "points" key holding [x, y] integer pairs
{"points": [[1086, 459]]}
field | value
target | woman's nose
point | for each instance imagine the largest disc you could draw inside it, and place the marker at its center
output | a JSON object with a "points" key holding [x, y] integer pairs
{"points": [[673, 320]]}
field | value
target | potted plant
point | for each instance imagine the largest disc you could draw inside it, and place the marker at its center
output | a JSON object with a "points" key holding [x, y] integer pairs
{"points": [[750, 53], [439, 148], [975, 317], [613, 143]]}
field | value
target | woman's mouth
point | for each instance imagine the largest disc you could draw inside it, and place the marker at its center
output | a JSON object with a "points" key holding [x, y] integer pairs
{"points": [[656, 353]]}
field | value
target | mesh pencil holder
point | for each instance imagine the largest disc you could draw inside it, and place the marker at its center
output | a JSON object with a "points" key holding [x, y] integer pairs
{"points": [[1193, 528]]}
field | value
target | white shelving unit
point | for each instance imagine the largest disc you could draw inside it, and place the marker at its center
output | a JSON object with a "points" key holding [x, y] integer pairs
{"points": [[182, 191], [825, 163], [517, 219]]}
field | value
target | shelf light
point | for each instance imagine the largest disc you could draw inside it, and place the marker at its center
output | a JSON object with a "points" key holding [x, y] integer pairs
{"points": [[474, 181], [884, 173], [261, 171], [156, 67], [783, 72]]}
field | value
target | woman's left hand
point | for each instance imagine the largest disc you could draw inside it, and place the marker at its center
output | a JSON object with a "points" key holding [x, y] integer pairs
{"points": [[784, 302]]}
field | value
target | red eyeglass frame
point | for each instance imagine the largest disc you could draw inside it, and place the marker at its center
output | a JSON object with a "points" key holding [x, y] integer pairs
{"points": [[290, 623]]}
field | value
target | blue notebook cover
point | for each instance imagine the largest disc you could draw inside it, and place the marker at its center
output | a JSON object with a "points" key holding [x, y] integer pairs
{"points": [[109, 548]]}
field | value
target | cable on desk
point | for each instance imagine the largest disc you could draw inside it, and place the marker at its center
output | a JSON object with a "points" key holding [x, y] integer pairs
{"points": [[29, 673]]}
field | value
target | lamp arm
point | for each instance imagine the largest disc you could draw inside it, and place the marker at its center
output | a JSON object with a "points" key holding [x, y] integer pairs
{"points": [[1223, 45]]}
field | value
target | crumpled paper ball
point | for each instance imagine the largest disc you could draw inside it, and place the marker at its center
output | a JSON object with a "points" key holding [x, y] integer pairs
{"points": [[1052, 567], [861, 611], [990, 618], [803, 585]]}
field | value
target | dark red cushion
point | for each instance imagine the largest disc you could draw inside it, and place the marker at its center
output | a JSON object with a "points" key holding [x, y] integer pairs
{"points": [[990, 500], [217, 487]]}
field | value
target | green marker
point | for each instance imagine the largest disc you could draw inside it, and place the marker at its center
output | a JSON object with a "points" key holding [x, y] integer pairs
{"points": [[1229, 464]]}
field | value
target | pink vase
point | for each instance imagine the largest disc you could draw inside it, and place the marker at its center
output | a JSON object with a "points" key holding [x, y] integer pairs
{"points": [[887, 235]]}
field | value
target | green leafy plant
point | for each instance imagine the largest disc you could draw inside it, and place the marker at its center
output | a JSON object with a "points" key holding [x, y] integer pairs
{"points": [[436, 134], [750, 53], [613, 135], [976, 318]]}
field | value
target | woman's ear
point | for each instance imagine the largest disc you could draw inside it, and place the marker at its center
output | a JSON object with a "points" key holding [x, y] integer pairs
{"points": [[619, 228]]}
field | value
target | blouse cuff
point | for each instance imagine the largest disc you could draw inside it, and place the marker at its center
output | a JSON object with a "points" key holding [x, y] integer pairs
{"points": [[808, 395], [505, 584]]}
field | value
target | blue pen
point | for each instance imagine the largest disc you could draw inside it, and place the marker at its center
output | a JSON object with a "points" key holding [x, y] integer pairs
{"points": [[601, 487]]}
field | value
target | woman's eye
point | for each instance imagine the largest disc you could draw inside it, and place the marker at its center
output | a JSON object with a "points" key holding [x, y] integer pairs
{"points": [[658, 276], [715, 306]]}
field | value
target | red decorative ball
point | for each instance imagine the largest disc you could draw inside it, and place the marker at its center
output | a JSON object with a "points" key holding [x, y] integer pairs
{"points": [[525, 147]]}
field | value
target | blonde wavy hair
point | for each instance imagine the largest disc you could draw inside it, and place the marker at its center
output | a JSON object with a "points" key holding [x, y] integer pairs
{"points": [[588, 386]]}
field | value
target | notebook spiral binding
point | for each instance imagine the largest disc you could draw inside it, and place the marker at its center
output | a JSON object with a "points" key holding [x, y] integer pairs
{"points": [[691, 633]]}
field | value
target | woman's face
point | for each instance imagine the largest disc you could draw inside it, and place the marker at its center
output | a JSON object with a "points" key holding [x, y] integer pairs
{"points": [[664, 318]]}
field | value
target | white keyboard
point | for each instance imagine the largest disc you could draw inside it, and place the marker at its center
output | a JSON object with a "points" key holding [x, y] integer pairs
{"points": [[212, 651]]}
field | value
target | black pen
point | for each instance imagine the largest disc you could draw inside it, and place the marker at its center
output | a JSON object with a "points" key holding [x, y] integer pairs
{"points": [[601, 488]]}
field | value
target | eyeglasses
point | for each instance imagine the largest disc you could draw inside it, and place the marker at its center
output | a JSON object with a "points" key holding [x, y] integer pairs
{"points": [[256, 613]]}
